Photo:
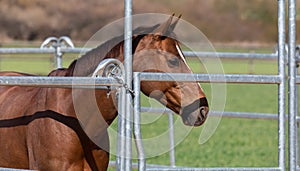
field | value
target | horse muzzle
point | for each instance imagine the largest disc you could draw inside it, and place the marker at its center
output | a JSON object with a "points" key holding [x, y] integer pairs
{"points": [[195, 113]]}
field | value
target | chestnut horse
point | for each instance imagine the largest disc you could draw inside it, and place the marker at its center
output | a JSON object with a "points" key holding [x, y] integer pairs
{"points": [[39, 128]]}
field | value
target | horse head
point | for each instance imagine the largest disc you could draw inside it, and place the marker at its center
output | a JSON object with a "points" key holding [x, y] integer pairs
{"points": [[159, 51]]}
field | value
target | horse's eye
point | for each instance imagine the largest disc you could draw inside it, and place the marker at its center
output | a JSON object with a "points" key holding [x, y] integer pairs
{"points": [[173, 62]]}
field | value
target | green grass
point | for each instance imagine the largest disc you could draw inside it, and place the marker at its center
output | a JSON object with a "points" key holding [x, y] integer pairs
{"points": [[235, 143], [234, 66], [40, 64]]}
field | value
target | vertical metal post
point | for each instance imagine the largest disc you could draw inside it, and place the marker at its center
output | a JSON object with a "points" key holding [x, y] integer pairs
{"points": [[137, 123], [297, 125], [124, 146], [282, 86], [120, 161], [292, 85], [171, 138], [128, 81], [58, 56]]}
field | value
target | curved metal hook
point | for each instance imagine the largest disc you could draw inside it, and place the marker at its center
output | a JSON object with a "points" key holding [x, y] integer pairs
{"points": [[57, 42], [110, 68], [48, 41], [65, 40], [106, 66]]}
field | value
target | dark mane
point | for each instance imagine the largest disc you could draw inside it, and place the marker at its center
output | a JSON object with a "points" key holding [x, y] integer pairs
{"points": [[87, 63]]}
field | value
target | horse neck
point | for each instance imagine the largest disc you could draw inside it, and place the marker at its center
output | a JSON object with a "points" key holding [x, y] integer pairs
{"points": [[86, 65]]}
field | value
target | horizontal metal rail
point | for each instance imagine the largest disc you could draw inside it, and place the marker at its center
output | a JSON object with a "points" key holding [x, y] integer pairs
{"points": [[12, 169], [135, 165], [247, 115], [41, 50], [232, 55], [213, 169], [59, 82], [155, 167], [212, 78], [45, 81], [297, 79], [229, 114]]}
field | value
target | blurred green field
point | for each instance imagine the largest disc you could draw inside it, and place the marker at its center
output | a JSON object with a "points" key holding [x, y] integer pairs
{"points": [[235, 143]]}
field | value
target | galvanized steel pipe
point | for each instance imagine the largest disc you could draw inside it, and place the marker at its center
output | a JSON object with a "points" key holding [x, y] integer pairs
{"points": [[57, 82], [231, 55], [212, 78], [281, 86], [292, 85], [136, 125], [126, 163]]}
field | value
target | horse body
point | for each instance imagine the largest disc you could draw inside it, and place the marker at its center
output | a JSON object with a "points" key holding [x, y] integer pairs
{"points": [[40, 142], [40, 128]]}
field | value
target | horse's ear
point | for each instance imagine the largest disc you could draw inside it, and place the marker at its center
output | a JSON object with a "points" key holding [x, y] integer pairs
{"points": [[172, 26], [164, 27]]}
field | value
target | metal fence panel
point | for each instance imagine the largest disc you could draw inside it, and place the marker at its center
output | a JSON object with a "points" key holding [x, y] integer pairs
{"points": [[215, 78]]}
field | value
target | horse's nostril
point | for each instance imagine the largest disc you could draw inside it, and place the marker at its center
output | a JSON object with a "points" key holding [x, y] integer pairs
{"points": [[203, 112], [195, 113]]}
